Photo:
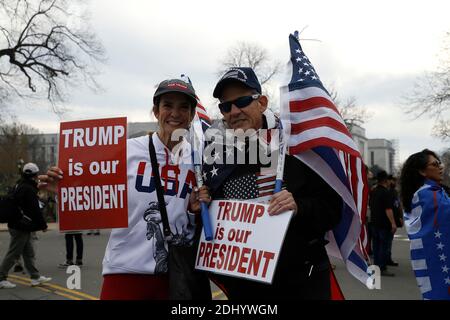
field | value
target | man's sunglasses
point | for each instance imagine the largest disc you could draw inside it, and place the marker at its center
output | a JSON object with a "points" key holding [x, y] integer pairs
{"points": [[240, 102]]}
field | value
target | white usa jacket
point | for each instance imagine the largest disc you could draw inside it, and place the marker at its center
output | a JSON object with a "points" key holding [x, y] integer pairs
{"points": [[140, 248]]}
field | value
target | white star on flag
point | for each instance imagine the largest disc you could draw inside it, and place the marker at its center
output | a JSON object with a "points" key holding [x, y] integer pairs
{"points": [[442, 257], [229, 152], [299, 59], [437, 234], [440, 246], [205, 176], [447, 280], [298, 51], [445, 269], [214, 172]]}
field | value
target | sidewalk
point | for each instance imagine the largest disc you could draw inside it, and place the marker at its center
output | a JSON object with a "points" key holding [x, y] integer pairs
{"points": [[51, 226]]}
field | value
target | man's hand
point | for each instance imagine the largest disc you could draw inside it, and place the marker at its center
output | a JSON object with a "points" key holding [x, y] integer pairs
{"points": [[198, 196], [50, 180], [393, 228], [281, 202]]}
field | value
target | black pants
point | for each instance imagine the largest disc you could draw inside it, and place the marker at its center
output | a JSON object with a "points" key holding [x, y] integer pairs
{"points": [[69, 245], [301, 285]]}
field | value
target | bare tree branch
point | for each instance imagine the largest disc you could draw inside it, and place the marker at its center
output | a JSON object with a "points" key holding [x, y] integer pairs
{"points": [[246, 54], [351, 113], [431, 95], [44, 53]]}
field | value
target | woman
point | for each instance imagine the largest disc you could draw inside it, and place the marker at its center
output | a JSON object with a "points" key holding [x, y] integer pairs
{"points": [[135, 262], [427, 220]]}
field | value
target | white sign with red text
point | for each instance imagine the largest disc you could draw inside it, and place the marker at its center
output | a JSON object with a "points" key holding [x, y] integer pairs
{"points": [[246, 243]]}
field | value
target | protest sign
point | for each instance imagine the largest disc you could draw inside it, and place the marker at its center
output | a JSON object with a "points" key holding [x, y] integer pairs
{"points": [[247, 241], [93, 192]]}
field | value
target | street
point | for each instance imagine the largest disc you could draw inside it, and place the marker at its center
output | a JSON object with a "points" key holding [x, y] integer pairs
{"points": [[50, 251]]}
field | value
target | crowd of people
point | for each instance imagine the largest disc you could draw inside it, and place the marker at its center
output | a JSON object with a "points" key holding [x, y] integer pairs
{"points": [[135, 264]]}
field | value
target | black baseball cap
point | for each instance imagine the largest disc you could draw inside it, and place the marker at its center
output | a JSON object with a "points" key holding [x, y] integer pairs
{"points": [[243, 75], [175, 85], [382, 176]]}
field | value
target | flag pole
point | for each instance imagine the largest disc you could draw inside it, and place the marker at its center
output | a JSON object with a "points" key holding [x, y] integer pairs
{"points": [[195, 131], [197, 161], [281, 157]]}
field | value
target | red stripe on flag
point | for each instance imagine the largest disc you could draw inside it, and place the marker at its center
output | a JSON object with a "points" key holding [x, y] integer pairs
{"points": [[264, 180], [297, 128], [201, 107], [320, 142], [312, 103], [203, 116], [269, 187], [269, 193]]}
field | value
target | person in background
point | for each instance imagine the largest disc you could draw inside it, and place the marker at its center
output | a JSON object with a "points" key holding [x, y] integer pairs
{"points": [[21, 231], [382, 220], [70, 237], [398, 216]]}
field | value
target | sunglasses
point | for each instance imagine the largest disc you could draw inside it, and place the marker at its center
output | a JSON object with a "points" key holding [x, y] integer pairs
{"points": [[435, 164], [240, 103]]}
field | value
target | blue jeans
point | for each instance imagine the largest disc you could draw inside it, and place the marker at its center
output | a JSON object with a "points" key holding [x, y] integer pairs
{"points": [[381, 246]]}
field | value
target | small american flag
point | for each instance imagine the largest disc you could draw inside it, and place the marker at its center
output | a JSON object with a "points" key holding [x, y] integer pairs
{"points": [[317, 135]]}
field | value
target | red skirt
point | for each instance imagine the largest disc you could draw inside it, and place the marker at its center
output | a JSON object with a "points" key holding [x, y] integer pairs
{"points": [[135, 287]]}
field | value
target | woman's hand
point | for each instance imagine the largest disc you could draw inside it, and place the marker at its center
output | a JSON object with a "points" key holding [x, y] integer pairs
{"points": [[281, 202], [199, 195], [50, 180]]}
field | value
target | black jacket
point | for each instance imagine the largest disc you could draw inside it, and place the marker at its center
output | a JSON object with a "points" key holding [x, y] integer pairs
{"points": [[27, 199], [319, 210]]}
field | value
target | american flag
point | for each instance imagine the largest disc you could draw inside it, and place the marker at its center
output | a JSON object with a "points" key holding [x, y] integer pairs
{"points": [[202, 115], [221, 158], [318, 136]]}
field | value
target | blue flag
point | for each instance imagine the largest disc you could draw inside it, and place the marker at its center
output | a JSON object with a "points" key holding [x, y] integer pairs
{"points": [[428, 226]]}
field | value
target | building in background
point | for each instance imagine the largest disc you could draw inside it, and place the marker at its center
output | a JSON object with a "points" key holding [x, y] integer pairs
{"points": [[377, 153], [383, 153], [359, 136]]}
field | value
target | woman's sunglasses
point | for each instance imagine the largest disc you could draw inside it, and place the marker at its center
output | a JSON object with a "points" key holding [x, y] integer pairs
{"points": [[435, 164], [240, 102]]}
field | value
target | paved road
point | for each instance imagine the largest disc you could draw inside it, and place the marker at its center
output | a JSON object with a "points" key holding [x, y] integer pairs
{"points": [[51, 252]]}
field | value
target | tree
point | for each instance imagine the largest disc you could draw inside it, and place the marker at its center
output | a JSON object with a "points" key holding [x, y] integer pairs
{"points": [[247, 54], [431, 95], [445, 158], [351, 113], [16, 140], [46, 47]]}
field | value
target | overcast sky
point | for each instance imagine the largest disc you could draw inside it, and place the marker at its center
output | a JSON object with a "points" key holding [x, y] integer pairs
{"points": [[373, 51]]}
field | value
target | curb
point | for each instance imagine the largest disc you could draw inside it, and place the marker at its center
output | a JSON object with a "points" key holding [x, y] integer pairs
{"points": [[52, 226]]}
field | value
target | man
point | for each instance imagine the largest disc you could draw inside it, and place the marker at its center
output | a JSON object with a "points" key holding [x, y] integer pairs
{"points": [[22, 230], [303, 267], [398, 216], [383, 224]]}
